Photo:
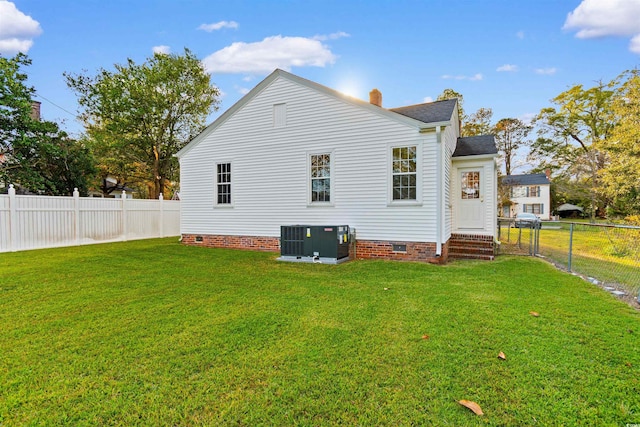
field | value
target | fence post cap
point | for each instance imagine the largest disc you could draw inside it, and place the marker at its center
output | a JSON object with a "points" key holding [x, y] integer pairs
{"points": [[160, 197]]}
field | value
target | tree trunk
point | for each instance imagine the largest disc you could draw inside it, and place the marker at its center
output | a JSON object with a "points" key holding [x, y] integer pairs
{"points": [[157, 178]]}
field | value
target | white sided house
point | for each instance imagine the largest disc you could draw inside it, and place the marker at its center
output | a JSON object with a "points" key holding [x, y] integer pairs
{"points": [[295, 152], [529, 193]]}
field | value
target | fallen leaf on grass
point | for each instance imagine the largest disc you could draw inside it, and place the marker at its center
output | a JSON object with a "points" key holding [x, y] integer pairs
{"points": [[386, 289], [534, 313], [471, 405], [425, 337], [502, 356]]}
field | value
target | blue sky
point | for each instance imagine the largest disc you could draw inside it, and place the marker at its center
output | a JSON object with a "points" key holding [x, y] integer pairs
{"points": [[510, 55]]}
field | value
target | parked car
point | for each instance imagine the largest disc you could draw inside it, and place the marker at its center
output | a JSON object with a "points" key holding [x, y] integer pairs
{"points": [[527, 220]]}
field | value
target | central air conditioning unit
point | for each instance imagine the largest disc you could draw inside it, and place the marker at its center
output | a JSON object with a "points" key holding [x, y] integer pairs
{"points": [[327, 244]]}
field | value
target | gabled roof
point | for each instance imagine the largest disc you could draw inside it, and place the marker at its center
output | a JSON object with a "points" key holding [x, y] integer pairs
{"points": [[420, 116], [527, 179], [432, 112], [475, 146]]}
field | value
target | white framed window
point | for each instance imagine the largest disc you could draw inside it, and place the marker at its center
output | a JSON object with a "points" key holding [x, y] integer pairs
{"points": [[470, 185], [320, 183], [533, 191], [279, 115], [534, 208], [223, 184], [405, 174]]}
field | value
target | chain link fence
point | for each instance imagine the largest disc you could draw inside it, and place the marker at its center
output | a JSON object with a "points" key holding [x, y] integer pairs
{"points": [[607, 255]]}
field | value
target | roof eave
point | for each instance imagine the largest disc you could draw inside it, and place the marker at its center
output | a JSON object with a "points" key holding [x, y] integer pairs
{"points": [[475, 157]]}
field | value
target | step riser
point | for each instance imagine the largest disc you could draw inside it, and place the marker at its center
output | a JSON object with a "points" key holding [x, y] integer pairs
{"points": [[470, 247]]}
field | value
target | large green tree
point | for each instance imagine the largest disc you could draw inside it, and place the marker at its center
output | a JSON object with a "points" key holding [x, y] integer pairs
{"points": [[621, 177], [478, 123], [570, 137], [510, 134], [139, 115], [36, 154]]}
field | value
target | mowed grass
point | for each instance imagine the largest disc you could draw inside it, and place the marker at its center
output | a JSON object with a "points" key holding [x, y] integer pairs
{"points": [[608, 254], [156, 333]]}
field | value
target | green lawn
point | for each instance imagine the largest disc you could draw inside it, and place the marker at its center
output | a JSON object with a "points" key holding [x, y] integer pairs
{"points": [[611, 255], [155, 333]]}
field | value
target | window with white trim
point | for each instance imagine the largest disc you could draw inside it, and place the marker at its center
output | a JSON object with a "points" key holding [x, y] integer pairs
{"points": [[404, 173], [470, 185], [320, 176], [533, 191], [534, 208], [223, 183], [279, 115]]}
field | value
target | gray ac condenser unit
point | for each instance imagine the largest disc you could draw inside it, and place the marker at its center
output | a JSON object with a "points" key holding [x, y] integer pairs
{"points": [[315, 243]]}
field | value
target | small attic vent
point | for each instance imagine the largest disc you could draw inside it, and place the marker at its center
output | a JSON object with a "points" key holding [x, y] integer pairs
{"points": [[279, 115]]}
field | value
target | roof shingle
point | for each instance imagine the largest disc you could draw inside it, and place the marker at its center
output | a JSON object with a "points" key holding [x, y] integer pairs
{"points": [[475, 146], [527, 179], [432, 112]]}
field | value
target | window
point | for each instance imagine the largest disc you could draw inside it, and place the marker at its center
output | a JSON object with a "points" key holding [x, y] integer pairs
{"points": [[404, 173], [320, 178], [223, 183], [279, 115], [534, 208], [533, 191], [470, 185]]}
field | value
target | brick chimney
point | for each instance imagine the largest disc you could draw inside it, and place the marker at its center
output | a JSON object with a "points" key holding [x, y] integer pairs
{"points": [[375, 97], [35, 110], [548, 173]]}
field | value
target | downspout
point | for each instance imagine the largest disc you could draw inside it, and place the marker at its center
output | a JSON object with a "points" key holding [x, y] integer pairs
{"points": [[439, 216]]}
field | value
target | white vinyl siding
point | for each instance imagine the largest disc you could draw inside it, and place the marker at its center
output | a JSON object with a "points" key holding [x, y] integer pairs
{"points": [[271, 168], [522, 196]]}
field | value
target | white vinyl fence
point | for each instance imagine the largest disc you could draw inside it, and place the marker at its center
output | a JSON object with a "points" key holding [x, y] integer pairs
{"points": [[35, 222]]}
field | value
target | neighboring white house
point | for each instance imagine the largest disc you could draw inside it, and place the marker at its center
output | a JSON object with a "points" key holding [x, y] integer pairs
{"points": [[528, 193], [295, 152]]}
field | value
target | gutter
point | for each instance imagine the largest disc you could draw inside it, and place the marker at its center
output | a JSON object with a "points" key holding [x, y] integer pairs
{"points": [[439, 198]]}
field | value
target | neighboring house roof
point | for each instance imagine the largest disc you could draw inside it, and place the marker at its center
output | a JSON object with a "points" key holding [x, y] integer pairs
{"points": [[432, 112], [475, 146], [568, 207], [528, 179]]}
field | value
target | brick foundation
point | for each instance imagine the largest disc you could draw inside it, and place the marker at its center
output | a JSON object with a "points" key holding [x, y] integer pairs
{"points": [[253, 243], [365, 249], [415, 251], [471, 246]]}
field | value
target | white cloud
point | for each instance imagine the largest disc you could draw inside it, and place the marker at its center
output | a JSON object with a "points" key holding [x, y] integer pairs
{"points": [[527, 118], [634, 45], [161, 49], [17, 30], [427, 99], [520, 35], [507, 67], [248, 78], [243, 90], [598, 18], [475, 77], [218, 26], [332, 36], [546, 71], [271, 53]]}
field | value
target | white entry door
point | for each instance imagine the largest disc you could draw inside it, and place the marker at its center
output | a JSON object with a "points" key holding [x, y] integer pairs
{"points": [[471, 199]]}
